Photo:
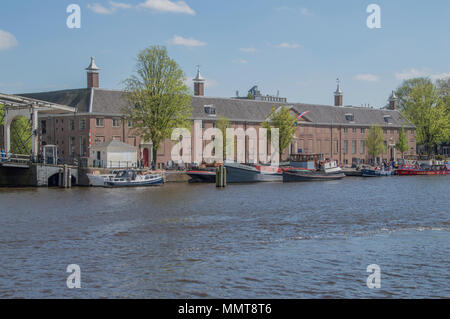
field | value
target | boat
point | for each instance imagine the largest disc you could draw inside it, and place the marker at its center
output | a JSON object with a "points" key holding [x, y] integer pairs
{"points": [[134, 178], [98, 180], [205, 175], [305, 175], [352, 172], [366, 172], [408, 170], [243, 173]]}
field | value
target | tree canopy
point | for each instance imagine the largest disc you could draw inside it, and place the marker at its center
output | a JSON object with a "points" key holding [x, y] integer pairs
{"points": [[426, 105], [282, 119], [375, 141], [159, 100], [402, 145]]}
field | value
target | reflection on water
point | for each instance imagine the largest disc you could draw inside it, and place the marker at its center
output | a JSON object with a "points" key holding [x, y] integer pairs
{"points": [[246, 241]]}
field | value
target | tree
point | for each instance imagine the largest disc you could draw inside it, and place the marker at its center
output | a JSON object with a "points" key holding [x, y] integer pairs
{"points": [[2, 114], [159, 100], [282, 119], [20, 136], [402, 145], [222, 124], [427, 107], [375, 141]]}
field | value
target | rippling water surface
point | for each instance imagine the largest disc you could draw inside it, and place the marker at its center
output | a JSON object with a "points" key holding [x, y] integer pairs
{"points": [[274, 240]]}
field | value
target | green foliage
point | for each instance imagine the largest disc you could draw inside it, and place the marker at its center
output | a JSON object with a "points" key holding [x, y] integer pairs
{"points": [[21, 136], [2, 114], [402, 145], [285, 122], [250, 96], [427, 107], [223, 123], [159, 100], [375, 141]]}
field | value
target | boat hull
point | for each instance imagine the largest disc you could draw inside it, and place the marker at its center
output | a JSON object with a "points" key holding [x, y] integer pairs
{"points": [[202, 176], [306, 176], [144, 183], [412, 172], [375, 173], [249, 174]]}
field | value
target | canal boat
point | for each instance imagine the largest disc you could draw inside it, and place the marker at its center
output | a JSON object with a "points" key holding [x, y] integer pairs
{"points": [[98, 180], [243, 173], [366, 172], [134, 178], [205, 175], [306, 175], [407, 170]]}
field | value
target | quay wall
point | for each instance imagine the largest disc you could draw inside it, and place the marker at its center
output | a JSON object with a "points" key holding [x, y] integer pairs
{"points": [[18, 177]]}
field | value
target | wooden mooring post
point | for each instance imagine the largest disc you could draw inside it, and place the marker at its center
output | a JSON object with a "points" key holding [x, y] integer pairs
{"points": [[221, 176], [65, 177]]}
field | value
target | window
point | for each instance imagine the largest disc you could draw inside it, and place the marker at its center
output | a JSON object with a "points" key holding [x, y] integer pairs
{"points": [[363, 130], [71, 125], [99, 139], [117, 138], [82, 145], [116, 122], [210, 109], [354, 130], [353, 147], [362, 147], [350, 117], [82, 124], [72, 146], [345, 147], [44, 127], [100, 122], [336, 149], [385, 131], [345, 129], [387, 119], [130, 124]]}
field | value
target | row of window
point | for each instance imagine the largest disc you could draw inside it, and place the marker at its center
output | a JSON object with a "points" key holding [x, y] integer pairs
{"points": [[99, 122], [116, 122]]}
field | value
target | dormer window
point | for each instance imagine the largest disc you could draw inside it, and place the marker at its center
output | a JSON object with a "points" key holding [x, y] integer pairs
{"points": [[350, 117], [210, 110], [387, 119]]}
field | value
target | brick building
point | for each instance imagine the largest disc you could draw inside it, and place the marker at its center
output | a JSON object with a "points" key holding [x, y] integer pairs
{"points": [[336, 131]]}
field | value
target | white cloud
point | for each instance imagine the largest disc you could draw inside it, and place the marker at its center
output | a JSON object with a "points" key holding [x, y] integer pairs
{"points": [[7, 40], [302, 11], [435, 77], [188, 42], [305, 12], [286, 45], [242, 61], [168, 6], [113, 7], [98, 8], [367, 77], [248, 50], [409, 74]]}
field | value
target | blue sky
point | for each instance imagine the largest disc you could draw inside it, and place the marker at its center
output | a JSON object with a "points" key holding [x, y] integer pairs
{"points": [[294, 46]]}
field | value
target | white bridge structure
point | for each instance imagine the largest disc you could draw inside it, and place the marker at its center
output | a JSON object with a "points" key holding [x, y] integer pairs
{"points": [[24, 167]]}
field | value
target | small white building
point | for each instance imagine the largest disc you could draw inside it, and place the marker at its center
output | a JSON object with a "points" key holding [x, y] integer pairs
{"points": [[114, 154]]}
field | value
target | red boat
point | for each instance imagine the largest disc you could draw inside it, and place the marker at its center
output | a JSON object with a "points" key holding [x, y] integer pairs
{"points": [[430, 170]]}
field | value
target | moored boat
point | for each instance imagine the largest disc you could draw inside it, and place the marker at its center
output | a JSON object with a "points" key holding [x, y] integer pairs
{"points": [[375, 172], [242, 173], [207, 175], [408, 170], [134, 178], [305, 175]]}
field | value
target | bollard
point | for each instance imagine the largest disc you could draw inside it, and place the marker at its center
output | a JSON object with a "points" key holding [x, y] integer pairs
{"points": [[221, 176]]}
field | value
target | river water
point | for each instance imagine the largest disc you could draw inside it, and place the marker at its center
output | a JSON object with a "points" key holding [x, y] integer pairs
{"points": [[274, 240]]}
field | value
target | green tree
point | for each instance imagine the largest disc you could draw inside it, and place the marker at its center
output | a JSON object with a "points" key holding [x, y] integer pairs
{"points": [[282, 119], [250, 96], [20, 136], [159, 100], [375, 141], [427, 107], [402, 145], [2, 114], [222, 124]]}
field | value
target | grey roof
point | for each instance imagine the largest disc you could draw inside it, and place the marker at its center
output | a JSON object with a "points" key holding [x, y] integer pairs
{"points": [[115, 146], [111, 102]]}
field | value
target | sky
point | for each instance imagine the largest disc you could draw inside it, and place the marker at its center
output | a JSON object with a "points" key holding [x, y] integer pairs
{"points": [[296, 47]]}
